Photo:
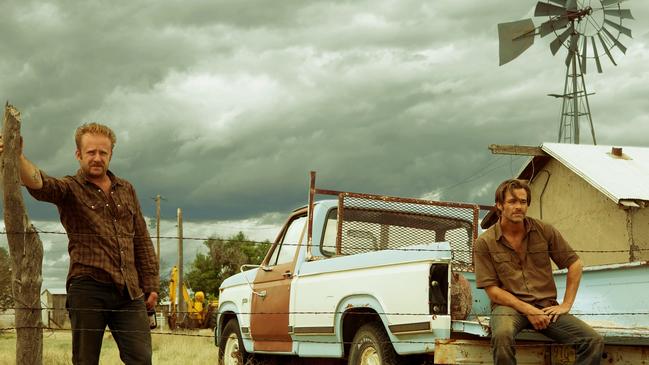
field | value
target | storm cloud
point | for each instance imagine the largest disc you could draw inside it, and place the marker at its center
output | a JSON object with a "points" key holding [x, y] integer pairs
{"points": [[223, 107]]}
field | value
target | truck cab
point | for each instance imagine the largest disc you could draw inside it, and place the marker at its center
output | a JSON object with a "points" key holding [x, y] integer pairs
{"points": [[337, 274]]}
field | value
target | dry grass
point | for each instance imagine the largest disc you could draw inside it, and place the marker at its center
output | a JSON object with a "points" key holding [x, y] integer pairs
{"points": [[167, 349], [183, 348]]}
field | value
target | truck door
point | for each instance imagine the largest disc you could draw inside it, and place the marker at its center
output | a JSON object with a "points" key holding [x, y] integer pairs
{"points": [[270, 305]]}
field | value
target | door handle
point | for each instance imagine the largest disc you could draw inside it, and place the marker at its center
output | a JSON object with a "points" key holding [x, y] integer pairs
{"points": [[287, 274], [261, 294]]}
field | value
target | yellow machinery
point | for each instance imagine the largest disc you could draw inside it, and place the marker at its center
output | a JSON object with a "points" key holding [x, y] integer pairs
{"points": [[198, 315]]}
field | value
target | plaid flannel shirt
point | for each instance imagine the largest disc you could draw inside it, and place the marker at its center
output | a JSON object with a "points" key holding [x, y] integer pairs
{"points": [[108, 237]]}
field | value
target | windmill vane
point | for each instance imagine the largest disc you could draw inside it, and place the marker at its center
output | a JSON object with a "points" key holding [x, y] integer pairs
{"points": [[588, 30]]}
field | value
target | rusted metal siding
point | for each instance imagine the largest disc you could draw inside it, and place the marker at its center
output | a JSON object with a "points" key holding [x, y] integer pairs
{"points": [[461, 352], [269, 319]]}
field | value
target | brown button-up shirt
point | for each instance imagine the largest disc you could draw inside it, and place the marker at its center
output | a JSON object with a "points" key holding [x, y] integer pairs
{"points": [[108, 237], [529, 278]]}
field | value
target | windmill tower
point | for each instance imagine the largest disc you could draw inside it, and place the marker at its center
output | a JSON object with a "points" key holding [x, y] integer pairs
{"points": [[588, 30]]}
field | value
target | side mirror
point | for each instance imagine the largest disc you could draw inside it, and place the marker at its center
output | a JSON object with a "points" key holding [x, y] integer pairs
{"points": [[250, 266], [245, 267]]}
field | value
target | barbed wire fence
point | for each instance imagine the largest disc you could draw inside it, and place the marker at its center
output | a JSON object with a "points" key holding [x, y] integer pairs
{"points": [[190, 333], [415, 249], [198, 335]]}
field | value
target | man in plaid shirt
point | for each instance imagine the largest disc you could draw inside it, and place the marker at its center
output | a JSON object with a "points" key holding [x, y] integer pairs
{"points": [[113, 275]]}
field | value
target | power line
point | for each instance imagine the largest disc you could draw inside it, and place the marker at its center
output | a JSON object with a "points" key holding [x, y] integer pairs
{"points": [[483, 171]]}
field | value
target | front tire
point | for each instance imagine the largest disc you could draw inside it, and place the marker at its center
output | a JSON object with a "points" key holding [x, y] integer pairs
{"points": [[372, 346], [231, 350]]}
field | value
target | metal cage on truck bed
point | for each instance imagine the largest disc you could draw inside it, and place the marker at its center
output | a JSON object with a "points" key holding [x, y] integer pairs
{"points": [[367, 222]]}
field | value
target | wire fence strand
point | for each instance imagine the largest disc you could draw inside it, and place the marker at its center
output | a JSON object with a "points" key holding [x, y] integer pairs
{"points": [[256, 338], [413, 249], [622, 313]]}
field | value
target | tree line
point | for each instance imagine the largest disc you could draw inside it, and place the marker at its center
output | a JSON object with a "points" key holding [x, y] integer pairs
{"points": [[223, 259], [206, 273]]}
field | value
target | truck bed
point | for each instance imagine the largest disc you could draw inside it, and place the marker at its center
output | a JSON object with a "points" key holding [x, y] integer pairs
{"points": [[611, 333], [613, 299]]}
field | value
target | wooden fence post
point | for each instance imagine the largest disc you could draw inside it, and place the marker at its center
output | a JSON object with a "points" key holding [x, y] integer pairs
{"points": [[25, 249]]}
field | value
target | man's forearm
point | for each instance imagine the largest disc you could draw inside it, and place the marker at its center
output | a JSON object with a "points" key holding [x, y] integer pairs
{"points": [[30, 174], [572, 282], [503, 297]]}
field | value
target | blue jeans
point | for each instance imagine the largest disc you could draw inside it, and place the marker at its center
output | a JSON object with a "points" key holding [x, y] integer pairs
{"points": [[506, 323], [93, 306]]}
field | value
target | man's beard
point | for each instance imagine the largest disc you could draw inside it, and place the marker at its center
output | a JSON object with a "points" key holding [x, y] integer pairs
{"points": [[89, 170]]}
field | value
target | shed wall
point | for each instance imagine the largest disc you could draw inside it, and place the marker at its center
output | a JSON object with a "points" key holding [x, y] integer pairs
{"points": [[586, 218], [45, 300], [640, 229], [59, 315], [7, 318]]}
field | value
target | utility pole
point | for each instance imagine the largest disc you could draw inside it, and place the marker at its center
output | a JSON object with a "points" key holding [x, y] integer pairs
{"points": [[157, 225], [181, 300]]}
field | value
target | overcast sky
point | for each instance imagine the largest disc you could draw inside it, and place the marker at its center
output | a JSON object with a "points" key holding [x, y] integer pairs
{"points": [[223, 107]]}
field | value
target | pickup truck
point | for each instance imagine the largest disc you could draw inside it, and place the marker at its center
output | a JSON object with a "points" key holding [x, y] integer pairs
{"points": [[379, 280]]}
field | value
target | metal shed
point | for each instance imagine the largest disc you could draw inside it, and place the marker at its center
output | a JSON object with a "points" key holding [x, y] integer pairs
{"points": [[597, 196], [54, 314]]}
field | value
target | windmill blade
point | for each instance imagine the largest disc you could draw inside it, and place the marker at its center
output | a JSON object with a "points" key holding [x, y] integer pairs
{"points": [[545, 9], [620, 28], [599, 65], [556, 44], [514, 39], [620, 13], [606, 3], [572, 49], [571, 5], [608, 53], [617, 43], [584, 48], [552, 25], [569, 57], [559, 2]]}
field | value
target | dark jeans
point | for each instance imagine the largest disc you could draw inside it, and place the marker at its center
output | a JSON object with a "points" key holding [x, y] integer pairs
{"points": [[506, 323], [93, 305]]}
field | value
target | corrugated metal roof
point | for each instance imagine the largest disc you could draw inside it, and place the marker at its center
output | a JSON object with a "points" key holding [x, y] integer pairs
{"points": [[55, 291], [619, 178]]}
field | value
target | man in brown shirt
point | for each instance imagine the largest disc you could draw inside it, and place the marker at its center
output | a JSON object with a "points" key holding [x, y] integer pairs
{"points": [[512, 264], [113, 274]]}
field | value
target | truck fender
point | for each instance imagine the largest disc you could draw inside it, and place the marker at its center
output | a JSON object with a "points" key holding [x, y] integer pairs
{"points": [[230, 309], [360, 303]]}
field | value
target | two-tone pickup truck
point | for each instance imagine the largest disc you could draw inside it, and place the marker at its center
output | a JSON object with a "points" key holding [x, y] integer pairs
{"points": [[376, 279]]}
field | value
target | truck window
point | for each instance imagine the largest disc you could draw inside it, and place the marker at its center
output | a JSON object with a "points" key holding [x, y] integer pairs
{"points": [[285, 250], [363, 236], [329, 233], [365, 229]]}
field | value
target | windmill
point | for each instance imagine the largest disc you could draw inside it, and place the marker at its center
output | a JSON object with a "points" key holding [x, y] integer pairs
{"points": [[588, 30]]}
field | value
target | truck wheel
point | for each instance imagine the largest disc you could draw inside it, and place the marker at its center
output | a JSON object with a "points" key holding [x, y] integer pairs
{"points": [[372, 346], [231, 350]]}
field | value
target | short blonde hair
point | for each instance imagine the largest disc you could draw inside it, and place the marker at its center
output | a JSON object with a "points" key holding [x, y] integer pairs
{"points": [[94, 128]]}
